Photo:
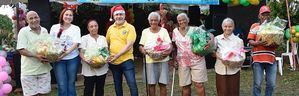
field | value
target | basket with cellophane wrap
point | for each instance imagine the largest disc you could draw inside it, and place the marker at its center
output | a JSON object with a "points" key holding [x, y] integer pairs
{"points": [[96, 57], [155, 49], [272, 32]]}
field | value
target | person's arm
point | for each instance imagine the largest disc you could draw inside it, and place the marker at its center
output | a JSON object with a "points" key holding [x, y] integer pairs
{"points": [[141, 49], [126, 48], [25, 52], [130, 42], [256, 43]]}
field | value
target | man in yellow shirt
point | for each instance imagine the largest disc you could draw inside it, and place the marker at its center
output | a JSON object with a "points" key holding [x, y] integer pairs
{"points": [[121, 37]]}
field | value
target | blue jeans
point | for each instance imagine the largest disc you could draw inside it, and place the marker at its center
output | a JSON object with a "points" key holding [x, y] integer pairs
{"points": [[258, 73], [128, 69], [66, 73]]}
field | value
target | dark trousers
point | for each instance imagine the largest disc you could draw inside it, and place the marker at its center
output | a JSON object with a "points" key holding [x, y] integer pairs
{"points": [[17, 69], [228, 85], [94, 81]]}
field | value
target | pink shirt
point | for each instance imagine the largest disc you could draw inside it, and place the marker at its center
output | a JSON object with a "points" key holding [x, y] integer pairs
{"points": [[185, 56]]}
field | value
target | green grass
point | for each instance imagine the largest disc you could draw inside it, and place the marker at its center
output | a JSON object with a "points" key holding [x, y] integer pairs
{"points": [[287, 85]]}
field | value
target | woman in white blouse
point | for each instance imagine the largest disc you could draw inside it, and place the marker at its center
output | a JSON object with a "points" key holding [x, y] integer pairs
{"points": [[227, 75], [93, 76], [66, 67]]}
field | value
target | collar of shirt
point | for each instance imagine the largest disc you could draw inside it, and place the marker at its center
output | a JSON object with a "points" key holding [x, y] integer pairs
{"points": [[227, 38], [123, 25]]}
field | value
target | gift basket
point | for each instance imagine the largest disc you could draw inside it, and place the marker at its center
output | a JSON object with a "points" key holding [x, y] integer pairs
{"points": [[200, 39], [155, 49], [96, 57], [49, 47], [233, 57], [272, 32]]}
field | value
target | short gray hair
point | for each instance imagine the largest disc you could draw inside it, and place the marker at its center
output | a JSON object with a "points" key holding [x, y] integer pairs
{"points": [[184, 15], [154, 14], [226, 20]]}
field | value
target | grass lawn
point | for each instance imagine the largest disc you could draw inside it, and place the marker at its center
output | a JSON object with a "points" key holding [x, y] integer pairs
{"points": [[287, 85]]}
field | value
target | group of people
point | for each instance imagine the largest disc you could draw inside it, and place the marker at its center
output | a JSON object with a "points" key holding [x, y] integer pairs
{"points": [[119, 39]]}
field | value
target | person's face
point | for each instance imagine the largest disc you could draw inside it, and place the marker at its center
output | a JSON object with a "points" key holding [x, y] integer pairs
{"points": [[153, 21], [93, 27], [33, 20], [183, 22], [228, 28], [264, 16], [68, 17], [119, 18]]}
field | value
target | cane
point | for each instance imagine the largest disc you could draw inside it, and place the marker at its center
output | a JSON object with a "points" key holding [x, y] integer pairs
{"points": [[172, 85], [145, 73]]}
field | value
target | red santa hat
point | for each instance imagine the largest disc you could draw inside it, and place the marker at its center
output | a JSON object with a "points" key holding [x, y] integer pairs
{"points": [[116, 10]]}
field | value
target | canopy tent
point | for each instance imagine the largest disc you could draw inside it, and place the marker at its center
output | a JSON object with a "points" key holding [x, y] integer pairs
{"points": [[210, 2]]}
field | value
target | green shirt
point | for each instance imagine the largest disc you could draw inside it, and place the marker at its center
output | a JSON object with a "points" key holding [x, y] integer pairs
{"points": [[31, 65]]}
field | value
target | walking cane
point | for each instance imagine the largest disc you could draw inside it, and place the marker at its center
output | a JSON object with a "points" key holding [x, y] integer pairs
{"points": [[145, 73], [172, 85]]}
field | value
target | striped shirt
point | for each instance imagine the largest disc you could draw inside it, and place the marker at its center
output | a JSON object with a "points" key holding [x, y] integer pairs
{"points": [[260, 54]]}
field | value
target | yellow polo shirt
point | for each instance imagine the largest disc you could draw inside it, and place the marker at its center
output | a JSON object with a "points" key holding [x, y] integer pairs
{"points": [[117, 38]]}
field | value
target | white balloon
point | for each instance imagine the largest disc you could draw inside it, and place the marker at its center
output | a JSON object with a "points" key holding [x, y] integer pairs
{"points": [[6, 69], [7, 80], [3, 53], [7, 64]]}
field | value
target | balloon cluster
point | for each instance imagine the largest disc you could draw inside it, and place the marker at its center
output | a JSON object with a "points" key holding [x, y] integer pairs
{"points": [[293, 32], [5, 70], [241, 2]]}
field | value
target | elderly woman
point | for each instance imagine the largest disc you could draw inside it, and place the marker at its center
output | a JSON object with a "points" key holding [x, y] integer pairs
{"points": [[93, 77], [156, 70], [191, 67], [227, 73], [66, 67]]}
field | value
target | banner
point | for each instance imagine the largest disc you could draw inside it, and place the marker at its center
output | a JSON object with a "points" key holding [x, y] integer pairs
{"points": [[210, 2]]}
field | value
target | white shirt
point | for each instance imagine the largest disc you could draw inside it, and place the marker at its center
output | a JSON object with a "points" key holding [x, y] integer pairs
{"points": [[69, 36], [223, 44], [150, 38], [89, 42]]}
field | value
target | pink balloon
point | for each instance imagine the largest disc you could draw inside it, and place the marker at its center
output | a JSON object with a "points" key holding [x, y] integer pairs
{"points": [[2, 61], [1, 93], [1, 83], [3, 76], [6, 88]]}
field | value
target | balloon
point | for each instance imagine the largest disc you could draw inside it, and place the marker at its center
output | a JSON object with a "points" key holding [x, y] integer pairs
{"points": [[235, 2], [7, 80], [225, 1], [1, 93], [2, 61], [3, 53], [297, 28], [287, 34], [254, 2], [3, 76], [244, 2], [6, 64], [1, 83], [6, 69], [6, 88]]}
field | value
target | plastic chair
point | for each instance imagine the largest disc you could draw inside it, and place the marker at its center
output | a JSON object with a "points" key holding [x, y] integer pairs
{"points": [[289, 54], [280, 64]]}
